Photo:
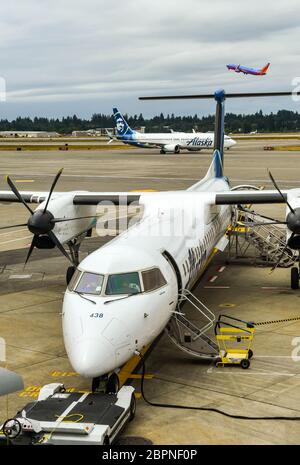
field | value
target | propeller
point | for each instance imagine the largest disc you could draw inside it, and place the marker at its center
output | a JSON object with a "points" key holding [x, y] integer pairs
{"points": [[292, 221], [42, 222]]}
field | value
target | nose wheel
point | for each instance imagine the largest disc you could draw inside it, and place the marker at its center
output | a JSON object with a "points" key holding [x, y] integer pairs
{"points": [[106, 384]]}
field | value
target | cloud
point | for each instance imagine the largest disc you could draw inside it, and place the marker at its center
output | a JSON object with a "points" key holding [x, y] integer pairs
{"points": [[93, 53]]}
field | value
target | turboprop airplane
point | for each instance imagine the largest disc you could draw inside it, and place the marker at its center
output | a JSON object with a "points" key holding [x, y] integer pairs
{"points": [[167, 142], [246, 70], [122, 296]]}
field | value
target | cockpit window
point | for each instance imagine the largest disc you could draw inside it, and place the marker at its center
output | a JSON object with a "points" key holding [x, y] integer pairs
{"points": [[74, 280], [90, 283], [123, 283], [153, 279]]}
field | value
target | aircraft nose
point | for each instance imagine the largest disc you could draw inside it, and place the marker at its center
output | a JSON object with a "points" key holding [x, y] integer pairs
{"points": [[92, 358]]}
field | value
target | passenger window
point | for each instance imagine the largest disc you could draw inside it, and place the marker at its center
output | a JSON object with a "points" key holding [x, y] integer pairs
{"points": [[123, 283], [90, 283], [74, 280], [153, 279]]}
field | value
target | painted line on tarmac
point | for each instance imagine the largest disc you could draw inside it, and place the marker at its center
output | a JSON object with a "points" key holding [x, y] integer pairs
{"points": [[216, 287], [248, 373], [270, 288], [14, 240], [221, 269], [24, 180], [15, 232], [20, 276], [212, 279]]}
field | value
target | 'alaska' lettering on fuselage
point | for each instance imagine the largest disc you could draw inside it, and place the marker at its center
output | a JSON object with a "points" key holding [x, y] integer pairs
{"points": [[196, 141]]}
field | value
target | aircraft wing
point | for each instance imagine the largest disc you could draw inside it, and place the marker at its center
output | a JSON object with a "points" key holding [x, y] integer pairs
{"points": [[93, 198], [252, 197], [28, 196], [80, 198]]}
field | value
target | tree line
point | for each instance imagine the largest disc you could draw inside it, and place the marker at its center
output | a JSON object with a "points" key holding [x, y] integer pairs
{"points": [[282, 121]]}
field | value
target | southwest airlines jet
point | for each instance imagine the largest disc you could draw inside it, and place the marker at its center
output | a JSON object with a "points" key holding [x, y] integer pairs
{"points": [[167, 142], [246, 70]]}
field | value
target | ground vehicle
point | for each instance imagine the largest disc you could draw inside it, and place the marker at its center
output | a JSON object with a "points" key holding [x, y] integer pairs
{"points": [[61, 417], [230, 338]]}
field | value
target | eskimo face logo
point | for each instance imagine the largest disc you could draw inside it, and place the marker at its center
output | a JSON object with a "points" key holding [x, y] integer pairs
{"points": [[120, 125]]}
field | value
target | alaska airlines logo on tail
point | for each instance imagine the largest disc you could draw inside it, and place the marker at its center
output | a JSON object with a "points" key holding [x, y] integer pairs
{"points": [[120, 125], [196, 141]]}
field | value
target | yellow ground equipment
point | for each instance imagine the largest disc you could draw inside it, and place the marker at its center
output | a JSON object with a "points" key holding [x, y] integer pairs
{"points": [[234, 341]]}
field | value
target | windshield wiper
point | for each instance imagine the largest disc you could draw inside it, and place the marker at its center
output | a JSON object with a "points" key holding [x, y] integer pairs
{"points": [[122, 298], [84, 297]]}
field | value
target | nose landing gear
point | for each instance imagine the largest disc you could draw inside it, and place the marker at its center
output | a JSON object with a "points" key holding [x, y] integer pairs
{"points": [[106, 384], [295, 278]]}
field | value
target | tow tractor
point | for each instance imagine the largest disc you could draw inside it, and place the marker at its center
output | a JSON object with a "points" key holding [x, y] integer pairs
{"points": [[61, 417]]}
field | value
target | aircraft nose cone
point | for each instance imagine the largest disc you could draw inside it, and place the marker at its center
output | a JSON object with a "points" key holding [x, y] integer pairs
{"points": [[91, 358]]}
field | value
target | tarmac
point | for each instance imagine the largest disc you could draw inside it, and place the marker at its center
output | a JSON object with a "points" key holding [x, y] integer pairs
{"points": [[31, 302]]}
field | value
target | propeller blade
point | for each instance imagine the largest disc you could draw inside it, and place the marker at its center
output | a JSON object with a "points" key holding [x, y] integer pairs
{"points": [[52, 188], [277, 187], [17, 193], [282, 254], [32, 245], [59, 246], [61, 220], [13, 226]]}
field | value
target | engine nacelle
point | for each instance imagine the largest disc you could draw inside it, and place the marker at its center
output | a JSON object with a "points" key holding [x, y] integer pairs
{"points": [[193, 149], [175, 148], [44, 242], [62, 207]]}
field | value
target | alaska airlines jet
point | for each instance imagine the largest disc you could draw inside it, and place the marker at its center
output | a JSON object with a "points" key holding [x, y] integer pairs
{"points": [[246, 70], [167, 142]]}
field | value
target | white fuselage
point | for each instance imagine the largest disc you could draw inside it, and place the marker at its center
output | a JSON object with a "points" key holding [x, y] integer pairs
{"points": [[102, 335], [174, 141]]}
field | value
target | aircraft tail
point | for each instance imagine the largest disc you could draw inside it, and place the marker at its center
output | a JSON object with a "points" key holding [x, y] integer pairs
{"points": [[123, 129], [215, 171], [216, 167], [265, 69]]}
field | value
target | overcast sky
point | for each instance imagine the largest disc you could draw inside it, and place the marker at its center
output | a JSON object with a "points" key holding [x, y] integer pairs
{"points": [[75, 56]]}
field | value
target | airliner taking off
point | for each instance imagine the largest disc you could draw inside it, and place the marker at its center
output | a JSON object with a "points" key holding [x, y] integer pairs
{"points": [[246, 70], [167, 142]]}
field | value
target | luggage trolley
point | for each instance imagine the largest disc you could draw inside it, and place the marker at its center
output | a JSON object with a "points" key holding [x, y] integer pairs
{"points": [[229, 336]]}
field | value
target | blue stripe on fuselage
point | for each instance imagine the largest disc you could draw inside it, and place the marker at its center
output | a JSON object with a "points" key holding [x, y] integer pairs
{"points": [[130, 139]]}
